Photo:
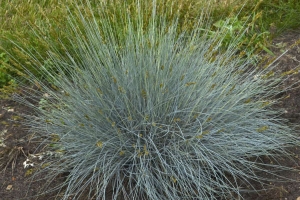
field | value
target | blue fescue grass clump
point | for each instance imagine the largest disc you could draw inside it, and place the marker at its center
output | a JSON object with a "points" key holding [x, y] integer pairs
{"points": [[155, 115]]}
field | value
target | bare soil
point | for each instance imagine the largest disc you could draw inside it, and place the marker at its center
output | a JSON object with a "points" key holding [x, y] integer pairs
{"points": [[16, 144]]}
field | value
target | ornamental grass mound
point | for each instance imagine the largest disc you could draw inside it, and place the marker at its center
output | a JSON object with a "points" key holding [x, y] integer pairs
{"points": [[145, 112]]}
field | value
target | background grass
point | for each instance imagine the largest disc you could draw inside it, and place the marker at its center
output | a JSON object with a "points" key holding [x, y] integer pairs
{"points": [[21, 20]]}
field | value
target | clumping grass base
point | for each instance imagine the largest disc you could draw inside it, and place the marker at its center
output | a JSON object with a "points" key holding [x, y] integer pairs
{"points": [[155, 115]]}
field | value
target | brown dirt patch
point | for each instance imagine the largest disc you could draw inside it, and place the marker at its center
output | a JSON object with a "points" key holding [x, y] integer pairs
{"points": [[288, 63]]}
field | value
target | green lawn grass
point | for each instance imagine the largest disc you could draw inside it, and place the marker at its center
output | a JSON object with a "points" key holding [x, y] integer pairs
{"points": [[28, 24]]}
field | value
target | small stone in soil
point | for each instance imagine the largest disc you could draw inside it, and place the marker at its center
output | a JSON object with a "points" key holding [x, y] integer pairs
{"points": [[9, 187]]}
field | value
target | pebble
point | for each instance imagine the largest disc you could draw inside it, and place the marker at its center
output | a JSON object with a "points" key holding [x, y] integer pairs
{"points": [[9, 187]]}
